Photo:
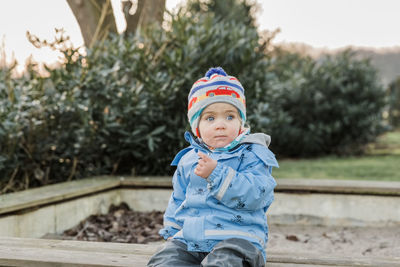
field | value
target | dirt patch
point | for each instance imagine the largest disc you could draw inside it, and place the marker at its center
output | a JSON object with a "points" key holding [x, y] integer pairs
{"points": [[124, 225], [120, 224]]}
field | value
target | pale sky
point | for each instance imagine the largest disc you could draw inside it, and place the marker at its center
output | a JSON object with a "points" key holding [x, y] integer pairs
{"points": [[320, 23]]}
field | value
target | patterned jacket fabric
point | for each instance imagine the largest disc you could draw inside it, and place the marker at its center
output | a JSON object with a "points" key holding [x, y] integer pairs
{"points": [[231, 202]]}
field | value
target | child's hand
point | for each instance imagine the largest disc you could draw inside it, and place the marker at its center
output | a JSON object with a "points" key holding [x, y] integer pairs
{"points": [[205, 165]]}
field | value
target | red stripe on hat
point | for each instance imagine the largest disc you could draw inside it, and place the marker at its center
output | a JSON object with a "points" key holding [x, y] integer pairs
{"points": [[214, 76], [201, 80], [192, 102]]}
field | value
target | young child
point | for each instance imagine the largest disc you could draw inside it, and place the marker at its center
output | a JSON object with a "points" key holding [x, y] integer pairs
{"points": [[222, 185]]}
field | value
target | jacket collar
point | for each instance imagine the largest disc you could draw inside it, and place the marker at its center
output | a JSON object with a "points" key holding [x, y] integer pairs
{"points": [[195, 142], [256, 138]]}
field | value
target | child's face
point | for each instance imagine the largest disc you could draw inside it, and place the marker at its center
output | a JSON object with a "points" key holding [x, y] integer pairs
{"points": [[219, 124]]}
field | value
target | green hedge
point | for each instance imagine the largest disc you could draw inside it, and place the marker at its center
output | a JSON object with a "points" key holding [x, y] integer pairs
{"points": [[121, 109], [393, 94], [333, 106]]}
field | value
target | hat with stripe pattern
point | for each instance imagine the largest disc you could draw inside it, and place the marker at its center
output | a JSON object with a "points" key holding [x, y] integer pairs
{"points": [[215, 87]]}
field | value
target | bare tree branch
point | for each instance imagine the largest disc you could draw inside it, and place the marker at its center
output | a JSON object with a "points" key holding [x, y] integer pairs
{"points": [[147, 13], [132, 21], [95, 18]]}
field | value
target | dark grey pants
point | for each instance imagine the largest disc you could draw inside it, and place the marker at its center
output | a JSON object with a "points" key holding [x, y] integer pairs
{"points": [[233, 252]]}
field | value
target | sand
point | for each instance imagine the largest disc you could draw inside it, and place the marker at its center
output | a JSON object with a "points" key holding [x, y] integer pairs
{"points": [[380, 242]]}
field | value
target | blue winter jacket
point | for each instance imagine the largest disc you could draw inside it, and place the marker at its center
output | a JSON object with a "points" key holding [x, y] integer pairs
{"points": [[232, 202]]}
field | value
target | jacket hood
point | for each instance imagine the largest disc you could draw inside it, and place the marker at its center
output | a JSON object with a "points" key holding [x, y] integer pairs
{"points": [[257, 138]]}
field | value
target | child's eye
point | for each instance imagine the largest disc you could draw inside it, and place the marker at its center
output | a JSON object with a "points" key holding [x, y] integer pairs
{"points": [[210, 118], [230, 117]]}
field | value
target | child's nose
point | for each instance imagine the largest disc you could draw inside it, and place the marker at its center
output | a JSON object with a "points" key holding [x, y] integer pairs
{"points": [[220, 124]]}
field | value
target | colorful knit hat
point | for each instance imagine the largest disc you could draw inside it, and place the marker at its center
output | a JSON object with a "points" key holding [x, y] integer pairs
{"points": [[215, 87]]}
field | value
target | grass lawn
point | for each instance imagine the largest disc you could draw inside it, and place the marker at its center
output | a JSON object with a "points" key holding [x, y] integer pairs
{"points": [[381, 162]]}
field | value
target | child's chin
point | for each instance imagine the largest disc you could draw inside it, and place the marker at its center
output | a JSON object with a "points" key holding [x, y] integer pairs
{"points": [[220, 145]]}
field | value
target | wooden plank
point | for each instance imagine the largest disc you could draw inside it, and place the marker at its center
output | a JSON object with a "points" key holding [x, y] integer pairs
{"points": [[74, 245], [285, 264], [292, 185], [147, 181], [41, 252], [314, 259], [14, 256], [63, 191], [53, 193], [339, 186]]}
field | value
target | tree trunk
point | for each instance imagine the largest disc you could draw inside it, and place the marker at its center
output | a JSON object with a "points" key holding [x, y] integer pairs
{"points": [[147, 13], [95, 18]]}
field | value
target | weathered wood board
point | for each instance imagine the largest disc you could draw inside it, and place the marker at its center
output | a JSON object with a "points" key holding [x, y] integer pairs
{"points": [[43, 252]]}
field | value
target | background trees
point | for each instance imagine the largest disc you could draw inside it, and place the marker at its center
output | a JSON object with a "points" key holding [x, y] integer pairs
{"points": [[121, 107], [96, 17]]}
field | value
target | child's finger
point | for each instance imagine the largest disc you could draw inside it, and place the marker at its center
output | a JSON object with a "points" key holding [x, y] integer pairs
{"points": [[203, 156]]}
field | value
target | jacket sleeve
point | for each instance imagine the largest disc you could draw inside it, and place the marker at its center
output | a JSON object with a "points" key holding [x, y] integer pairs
{"points": [[251, 187], [171, 225]]}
